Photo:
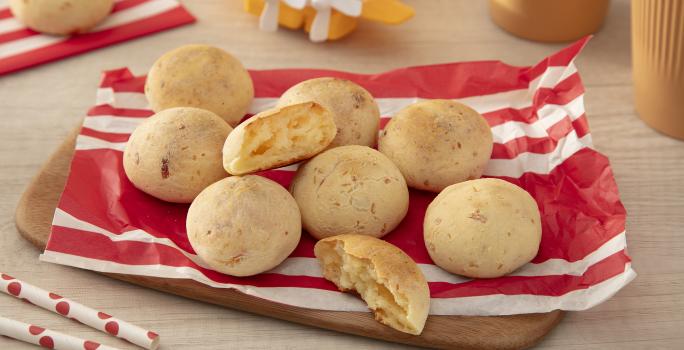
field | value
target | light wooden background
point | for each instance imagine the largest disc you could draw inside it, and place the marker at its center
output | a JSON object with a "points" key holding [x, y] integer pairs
{"points": [[39, 107]]}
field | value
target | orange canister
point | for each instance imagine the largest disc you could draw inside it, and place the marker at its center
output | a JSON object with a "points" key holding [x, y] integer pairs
{"points": [[658, 64], [549, 20]]}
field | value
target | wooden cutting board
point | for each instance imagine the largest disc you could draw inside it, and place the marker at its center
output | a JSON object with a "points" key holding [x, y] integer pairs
{"points": [[38, 203]]}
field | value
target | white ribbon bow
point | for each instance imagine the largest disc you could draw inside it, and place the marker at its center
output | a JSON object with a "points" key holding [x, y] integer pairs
{"points": [[321, 22]]}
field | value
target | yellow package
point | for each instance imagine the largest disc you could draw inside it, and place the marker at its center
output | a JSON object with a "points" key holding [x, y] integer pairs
{"points": [[338, 24]]}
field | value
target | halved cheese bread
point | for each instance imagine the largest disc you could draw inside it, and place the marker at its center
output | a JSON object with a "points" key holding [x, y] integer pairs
{"points": [[278, 137], [387, 279]]}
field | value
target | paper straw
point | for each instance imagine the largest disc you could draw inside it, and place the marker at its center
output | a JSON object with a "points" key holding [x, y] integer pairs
{"points": [[81, 313], [46, 338]]}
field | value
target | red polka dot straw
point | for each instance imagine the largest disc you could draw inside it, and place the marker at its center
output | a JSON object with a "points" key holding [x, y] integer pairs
{"points": [[73, 310], [45, 337]]}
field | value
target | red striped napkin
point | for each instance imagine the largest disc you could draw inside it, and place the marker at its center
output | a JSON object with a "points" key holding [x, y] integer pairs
{"points": [[542, 143], [21, 47]]}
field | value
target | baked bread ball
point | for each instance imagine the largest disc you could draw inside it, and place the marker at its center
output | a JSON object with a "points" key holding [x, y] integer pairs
{"points": [[356, 114], [244, 225], [176, 153], [61, 17], [350, 189], [387, 279], [482, 228], [437, 143], [278, 137], [200, 76]]}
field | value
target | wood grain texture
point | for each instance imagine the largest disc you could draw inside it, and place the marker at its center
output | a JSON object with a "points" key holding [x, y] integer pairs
{"points": [[41, 106], [34, 215]]}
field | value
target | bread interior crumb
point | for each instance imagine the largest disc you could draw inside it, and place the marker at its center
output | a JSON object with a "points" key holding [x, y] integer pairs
{"points": [[352, 273], [284, 137]]}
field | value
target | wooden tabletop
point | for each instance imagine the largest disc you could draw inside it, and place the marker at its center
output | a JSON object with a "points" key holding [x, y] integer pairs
{"points": [[40, 106]]}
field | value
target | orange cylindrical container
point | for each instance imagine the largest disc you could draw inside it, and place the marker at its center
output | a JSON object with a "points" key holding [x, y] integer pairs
{"points": [[658, 64], [549, 20]]}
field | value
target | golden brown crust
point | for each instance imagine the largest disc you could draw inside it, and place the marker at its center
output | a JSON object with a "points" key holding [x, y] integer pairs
{"points": [[244, 225], [61, 17], [200, 76], [176, 153], [437, 143], [350, 189], [483, 228]]}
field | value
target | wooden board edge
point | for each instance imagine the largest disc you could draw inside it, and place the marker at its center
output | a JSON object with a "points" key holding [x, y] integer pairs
{"points": [[40, 194], [33, 220]]}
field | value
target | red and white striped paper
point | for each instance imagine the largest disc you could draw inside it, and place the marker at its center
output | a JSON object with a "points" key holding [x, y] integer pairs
{"points": [[542, 143], [21, 47]]}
